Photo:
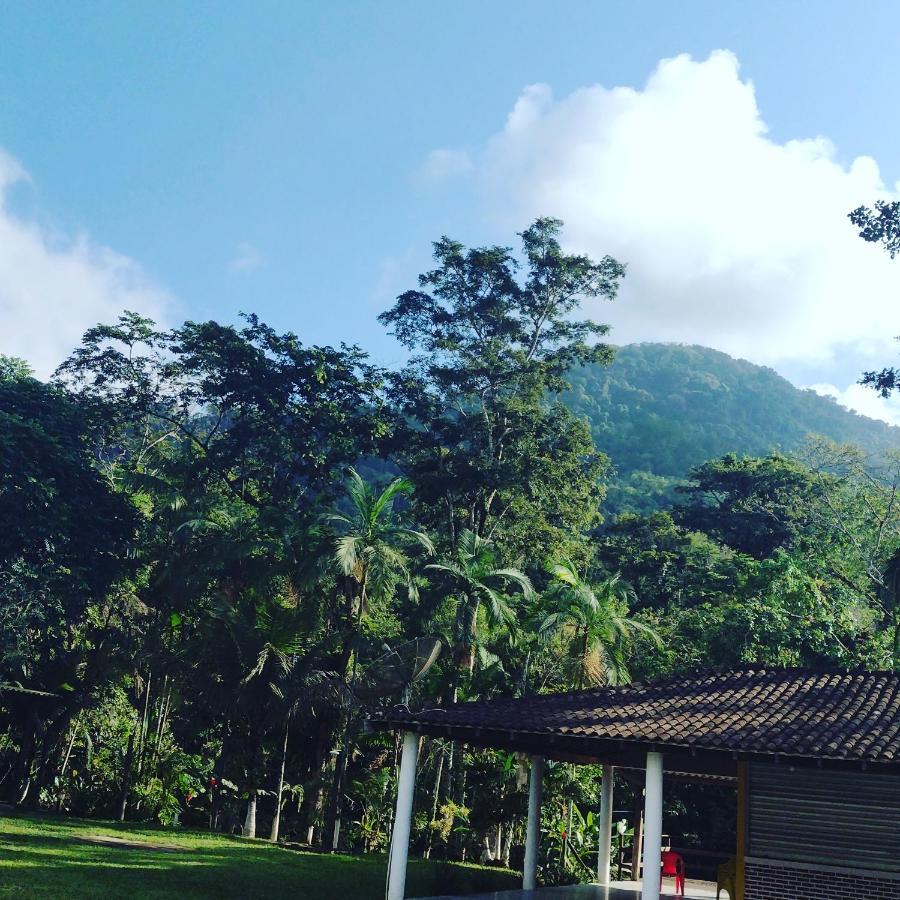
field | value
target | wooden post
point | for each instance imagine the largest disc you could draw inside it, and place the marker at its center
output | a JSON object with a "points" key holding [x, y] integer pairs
{"points": [[740, 878]]}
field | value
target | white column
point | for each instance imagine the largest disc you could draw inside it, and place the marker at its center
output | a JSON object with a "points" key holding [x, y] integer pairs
{"points": [[533, 832], [406, 785], [605, 825], [653, 808]]}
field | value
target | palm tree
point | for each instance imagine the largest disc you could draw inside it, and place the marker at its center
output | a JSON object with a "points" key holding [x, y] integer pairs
{"points": [[255, 565], [480, 583], [370, 547], [370, 552], [265, 645], [593, 623]]}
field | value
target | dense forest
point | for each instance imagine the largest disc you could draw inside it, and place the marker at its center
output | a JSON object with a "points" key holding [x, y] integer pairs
{"points": [[221, 548], [658, 410]]}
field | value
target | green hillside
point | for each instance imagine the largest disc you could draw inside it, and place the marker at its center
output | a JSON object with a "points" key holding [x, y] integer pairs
{"points": [[661, 408]]}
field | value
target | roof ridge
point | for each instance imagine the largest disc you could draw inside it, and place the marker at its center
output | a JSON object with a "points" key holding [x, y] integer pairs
{"points": [[769, 710]]}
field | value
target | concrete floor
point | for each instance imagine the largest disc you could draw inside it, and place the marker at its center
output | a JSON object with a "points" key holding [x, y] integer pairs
{"points": [[623, 890], [693, 890]]}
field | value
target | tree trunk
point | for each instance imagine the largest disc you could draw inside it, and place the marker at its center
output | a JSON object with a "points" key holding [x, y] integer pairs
{"points": [[314, 806], [637, 846], [314, 778], [507, 845], [457, 840], [66, 758], [335, 802], [215, 794], [142, 743], [48, 752], [20, 781], [126, 770], [163, 713], [276, 820], [436, 799], [896, 655], [454, 752], [71, 744], [466, 649], [249, 830], [332, 831]]}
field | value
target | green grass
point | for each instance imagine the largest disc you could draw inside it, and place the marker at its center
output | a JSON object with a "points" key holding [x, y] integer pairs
{"points": [[56, 857]]}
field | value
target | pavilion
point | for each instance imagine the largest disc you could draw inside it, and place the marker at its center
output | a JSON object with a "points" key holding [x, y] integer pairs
{"points": [[814, 757]]}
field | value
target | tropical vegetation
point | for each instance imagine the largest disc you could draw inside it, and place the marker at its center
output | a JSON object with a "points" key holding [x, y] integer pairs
{"points": [[221, 549]]}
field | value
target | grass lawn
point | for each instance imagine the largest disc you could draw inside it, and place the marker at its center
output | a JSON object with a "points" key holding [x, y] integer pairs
{"points": [[71, 858]]}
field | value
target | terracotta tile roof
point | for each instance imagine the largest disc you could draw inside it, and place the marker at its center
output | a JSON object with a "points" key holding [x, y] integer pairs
{"points": [[791, 712]]}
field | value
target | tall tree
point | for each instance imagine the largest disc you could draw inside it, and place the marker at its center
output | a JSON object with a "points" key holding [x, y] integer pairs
{"points": [[235, 438], [371, 553], [753, 505], [262, 416], [65, 536], [485, 444]]}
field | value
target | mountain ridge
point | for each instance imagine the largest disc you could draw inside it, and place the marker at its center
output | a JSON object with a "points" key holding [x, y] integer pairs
{"points": [[660, 409]]}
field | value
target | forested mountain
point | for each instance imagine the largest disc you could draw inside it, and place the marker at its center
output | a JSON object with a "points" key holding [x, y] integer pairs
{"points": [[661, 409], [202, 599]]}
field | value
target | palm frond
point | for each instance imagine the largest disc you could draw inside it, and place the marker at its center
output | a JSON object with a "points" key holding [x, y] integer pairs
{"points": [[421, 538], [449, 568], [358, 491], [517, 577], [385, 500], [564, 570], [346, 552], [643, 628], [469, 545], [338, 518], [550, 626], [497, 608]]}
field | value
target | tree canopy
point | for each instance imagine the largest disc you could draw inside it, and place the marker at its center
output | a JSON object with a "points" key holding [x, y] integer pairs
{"points": [[221, 548]]}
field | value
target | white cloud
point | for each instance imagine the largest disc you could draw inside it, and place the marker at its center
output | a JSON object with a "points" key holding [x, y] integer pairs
{"points": [[863, 400], [732, 239], [442, 165], [53, 289], [246, 257]]}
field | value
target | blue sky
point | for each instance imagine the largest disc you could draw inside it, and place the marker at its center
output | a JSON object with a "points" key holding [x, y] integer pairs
{"points": [[274, 157]]}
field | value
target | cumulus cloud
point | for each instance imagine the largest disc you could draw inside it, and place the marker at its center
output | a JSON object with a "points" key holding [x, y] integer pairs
{"points": [[52, 289], [863, 400], [442, 165], [246, 257], [732, 239]]}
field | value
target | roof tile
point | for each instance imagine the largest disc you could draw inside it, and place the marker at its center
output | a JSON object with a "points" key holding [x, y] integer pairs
{"points": [[794, 712]]}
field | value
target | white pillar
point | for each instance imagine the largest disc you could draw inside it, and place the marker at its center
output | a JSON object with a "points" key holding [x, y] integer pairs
{"points": [[653, 808], [605, 825], [406, 785], [533, 832]]}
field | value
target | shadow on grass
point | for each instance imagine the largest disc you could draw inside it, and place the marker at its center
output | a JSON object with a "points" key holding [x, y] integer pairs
{"points": [[41, 861]]}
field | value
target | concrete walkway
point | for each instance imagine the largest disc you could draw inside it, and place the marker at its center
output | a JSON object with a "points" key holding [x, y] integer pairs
{"points": [[622, 890]]}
